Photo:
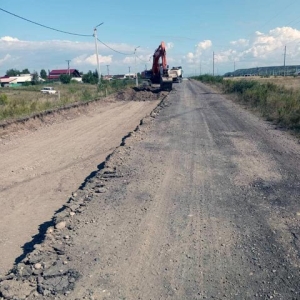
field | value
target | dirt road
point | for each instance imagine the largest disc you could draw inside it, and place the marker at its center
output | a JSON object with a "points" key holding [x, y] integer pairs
{"points": [[201, 202], [44, 163]]}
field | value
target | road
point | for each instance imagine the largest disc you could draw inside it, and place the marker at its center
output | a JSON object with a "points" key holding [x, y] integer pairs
{"points": [[41, 165], [201, 202]]}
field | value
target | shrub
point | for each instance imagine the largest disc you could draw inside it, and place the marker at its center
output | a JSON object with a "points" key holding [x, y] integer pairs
{"points": [[3, 99], [65, 78], [86, 95]]}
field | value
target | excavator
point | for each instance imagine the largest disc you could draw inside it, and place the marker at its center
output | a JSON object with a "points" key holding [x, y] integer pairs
{"points": [[160, 71]]}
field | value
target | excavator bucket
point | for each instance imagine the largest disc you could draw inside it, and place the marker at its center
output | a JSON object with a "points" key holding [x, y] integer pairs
{"points": [[166, 83]]}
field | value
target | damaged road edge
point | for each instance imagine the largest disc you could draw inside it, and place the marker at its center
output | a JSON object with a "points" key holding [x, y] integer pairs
{"points": [[45, 271]]}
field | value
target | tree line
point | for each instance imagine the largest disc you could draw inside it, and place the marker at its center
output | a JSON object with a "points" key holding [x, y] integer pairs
{"points": [[15, 72], [89, 77]]}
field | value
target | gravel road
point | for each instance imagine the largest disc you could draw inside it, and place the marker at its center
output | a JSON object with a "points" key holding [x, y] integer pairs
{"points": [[200, 202]]}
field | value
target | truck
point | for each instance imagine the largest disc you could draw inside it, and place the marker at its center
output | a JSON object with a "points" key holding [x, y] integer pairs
{"points": [[176, 74]]}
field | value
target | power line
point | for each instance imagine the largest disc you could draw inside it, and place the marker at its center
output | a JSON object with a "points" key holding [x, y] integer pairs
{"points": [[279, 13], [71, 33], [144, 61], [114, 49], [66, 32]]}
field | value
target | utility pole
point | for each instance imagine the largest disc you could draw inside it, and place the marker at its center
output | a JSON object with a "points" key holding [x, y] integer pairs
{"points": [[200, 67], [97, 54], [107, 66], [129, 70], [136, 77], [284, 61], [213, 63], [68, 61]]}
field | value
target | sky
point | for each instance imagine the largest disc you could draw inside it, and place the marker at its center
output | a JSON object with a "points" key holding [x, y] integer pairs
{"points": [[201, 36]]}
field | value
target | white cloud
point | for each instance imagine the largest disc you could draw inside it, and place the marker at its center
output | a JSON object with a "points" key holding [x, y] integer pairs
{"points": [[128, 60], [269, 46], [201, 49], [169, 45], [190, 57], [258, 33], [9, 39], [240, 42], [5, 58], [262, 49], [52, 54], [204, 45], [91, 60]]}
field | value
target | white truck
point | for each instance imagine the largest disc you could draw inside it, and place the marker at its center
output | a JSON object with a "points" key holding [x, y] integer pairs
{"points": [[48, 90], [176, 74]]}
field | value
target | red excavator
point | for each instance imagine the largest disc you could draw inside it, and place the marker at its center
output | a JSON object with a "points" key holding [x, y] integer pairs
{"points": [[160, 71]]}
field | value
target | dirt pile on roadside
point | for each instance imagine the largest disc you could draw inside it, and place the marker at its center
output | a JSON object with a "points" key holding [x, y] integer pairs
{"points": [[140, 94], [74, 110]]}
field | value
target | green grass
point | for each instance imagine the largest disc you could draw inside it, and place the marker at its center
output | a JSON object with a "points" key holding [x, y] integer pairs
{"points": [[276, 103], [25, 101]]}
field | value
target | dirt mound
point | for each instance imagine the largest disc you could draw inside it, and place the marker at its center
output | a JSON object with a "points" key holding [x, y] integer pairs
{"points": [[73, 110], [140, 94]]}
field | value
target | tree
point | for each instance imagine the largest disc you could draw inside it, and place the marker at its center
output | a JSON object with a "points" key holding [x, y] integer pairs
{"points": [[95, 74], [25, 71], [43, 74], [12, 72], [35, 78], [90, 77], [64, 78]]}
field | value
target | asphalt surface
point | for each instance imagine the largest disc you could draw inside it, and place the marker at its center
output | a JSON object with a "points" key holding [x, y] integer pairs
{"points": [[200, 202]]}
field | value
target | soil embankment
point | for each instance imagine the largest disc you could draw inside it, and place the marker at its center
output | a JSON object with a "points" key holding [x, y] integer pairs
{"points": [[44, 159]]}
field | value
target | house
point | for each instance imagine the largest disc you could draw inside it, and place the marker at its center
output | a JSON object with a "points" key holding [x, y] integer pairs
{"points": [[130, 75], [5, 81], [107, 77], [54, 74], [119, 76], [13, 81]]}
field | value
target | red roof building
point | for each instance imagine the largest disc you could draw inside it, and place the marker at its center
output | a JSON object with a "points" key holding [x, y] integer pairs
{"points": [[54, 74]]}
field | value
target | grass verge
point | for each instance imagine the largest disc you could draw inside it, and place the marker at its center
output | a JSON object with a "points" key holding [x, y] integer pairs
{"points": [[21, 102], [275, 102]]}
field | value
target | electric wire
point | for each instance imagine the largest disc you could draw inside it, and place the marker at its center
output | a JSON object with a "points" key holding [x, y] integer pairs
{"points": [[115, 49], [286, 7], [51, 28], [62, 31], [144, 61]]}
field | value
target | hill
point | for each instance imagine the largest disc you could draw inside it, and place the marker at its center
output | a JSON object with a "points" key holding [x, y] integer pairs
{"points": [[266, 71]]}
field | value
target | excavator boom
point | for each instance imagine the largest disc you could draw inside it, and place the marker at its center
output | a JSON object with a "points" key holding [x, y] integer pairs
{"points": [[160, 72]]}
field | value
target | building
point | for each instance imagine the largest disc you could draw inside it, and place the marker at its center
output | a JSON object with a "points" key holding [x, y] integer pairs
{"points": [[54, 74], [130, 75], [12, 81], [107, 77], [119, 76]]}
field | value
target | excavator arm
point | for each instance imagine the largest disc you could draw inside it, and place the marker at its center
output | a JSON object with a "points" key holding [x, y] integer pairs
{"points": [[160, 72], [160, 52]]}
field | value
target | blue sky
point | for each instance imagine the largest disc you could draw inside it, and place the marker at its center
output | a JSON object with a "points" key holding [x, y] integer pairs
{"points": [[242, 34]]}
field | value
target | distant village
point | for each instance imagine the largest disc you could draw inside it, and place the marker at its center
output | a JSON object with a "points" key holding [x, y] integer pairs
{"points": [[54, 76]]}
